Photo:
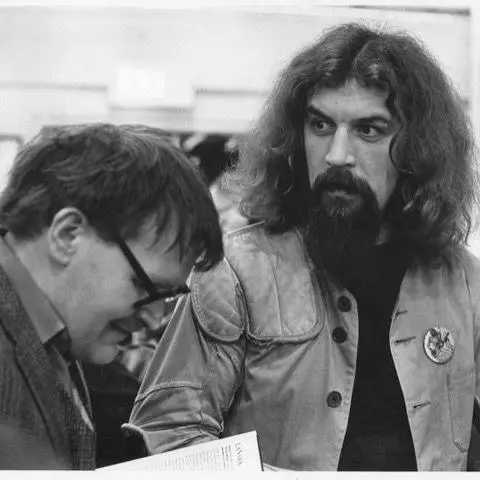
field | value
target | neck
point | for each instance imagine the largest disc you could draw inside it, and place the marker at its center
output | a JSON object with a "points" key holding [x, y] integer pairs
{"points": [[33, 257]]}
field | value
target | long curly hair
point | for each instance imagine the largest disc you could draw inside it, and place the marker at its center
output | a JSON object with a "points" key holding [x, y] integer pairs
{"points": [[432, 207]]}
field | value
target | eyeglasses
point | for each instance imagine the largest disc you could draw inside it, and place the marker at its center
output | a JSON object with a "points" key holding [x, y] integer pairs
{"points": [[154, 295]]}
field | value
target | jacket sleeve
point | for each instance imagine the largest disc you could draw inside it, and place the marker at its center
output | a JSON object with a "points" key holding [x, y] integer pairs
{"points": [[197, 366], [473, 462], [476, 329]]}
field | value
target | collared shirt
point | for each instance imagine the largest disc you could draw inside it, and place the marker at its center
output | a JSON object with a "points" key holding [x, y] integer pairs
{"points": [[46, 321], [256, 348]]}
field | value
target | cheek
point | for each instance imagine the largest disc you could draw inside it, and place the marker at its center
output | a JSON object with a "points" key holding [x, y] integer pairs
{"points": [[391, 181], [315, 151], [98, 302], [390, 176], [383, 179]]}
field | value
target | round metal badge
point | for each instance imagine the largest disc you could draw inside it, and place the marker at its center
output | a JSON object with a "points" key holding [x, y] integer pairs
{"points": [[439, 344]]}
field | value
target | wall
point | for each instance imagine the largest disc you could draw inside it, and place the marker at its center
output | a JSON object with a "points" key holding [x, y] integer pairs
{"points": [[58, 64]]}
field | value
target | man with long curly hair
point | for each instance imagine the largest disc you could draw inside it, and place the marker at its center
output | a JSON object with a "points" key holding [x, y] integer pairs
{"points": [[344, 323]]}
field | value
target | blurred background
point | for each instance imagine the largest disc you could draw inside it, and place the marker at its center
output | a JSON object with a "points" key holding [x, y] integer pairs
{"points": [[200, 71]]}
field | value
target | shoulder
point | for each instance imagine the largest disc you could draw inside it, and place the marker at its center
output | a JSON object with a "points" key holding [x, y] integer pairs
{"points": [[257, 234], [467, 266], [262, 273], [218, 295], [247, 245], [456, 278], [218, 307]]}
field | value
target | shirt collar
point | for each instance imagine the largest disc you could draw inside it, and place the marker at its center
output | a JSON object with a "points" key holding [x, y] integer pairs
{"points": [[44, 317]]}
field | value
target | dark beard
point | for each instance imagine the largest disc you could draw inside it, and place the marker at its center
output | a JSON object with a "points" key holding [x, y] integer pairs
{"points": [[342, 228]]}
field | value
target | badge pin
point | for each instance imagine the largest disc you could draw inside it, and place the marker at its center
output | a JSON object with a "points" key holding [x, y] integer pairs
{"points": [[439, 344]]}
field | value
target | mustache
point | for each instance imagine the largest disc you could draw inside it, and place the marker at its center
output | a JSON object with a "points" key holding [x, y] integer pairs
{"points": [[339, 178]]}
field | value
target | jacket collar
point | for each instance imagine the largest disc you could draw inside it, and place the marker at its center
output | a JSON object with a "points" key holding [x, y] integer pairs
{"points": [[34, 363], [43, 316]]}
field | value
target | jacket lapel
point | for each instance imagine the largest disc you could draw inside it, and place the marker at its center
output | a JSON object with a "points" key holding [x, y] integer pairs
{"points": [[85, 392], [40, 376], [35, 365], [81, 436]]}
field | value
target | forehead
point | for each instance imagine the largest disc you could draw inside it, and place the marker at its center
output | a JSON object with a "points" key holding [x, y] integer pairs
{"points": [[350, 102]]}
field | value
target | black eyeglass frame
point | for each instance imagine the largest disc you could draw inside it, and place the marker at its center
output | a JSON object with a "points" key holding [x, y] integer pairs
{"points": [[154, 295]]}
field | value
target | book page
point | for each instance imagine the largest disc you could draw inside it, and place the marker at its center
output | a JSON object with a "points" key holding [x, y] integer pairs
{"points": [[239, 453]]}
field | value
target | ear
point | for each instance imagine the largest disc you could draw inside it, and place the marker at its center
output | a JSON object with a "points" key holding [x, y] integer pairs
{"points": [[68, 227]]}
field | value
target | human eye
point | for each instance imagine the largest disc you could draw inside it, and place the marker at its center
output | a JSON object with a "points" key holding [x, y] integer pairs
{"points": [[320, 126], [370, 132]]}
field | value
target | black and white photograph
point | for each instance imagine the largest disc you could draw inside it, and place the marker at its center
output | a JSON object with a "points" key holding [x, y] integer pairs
{"points": [[239, 238]]}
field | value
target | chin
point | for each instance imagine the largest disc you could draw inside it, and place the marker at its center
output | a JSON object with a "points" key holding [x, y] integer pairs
{"points": [[338, 211]]}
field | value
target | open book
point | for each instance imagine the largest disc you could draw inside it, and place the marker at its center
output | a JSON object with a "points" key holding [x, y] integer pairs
{"points": [[239, 453]]}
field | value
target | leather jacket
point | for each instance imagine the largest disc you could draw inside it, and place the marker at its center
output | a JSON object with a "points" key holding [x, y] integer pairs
{"points": [[252, 349]]}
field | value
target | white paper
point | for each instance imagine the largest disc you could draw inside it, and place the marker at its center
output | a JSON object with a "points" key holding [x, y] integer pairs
{"points": [[239, 453]]}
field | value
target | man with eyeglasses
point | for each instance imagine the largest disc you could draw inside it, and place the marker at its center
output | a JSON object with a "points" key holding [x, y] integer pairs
{"points": [[101, 225]]}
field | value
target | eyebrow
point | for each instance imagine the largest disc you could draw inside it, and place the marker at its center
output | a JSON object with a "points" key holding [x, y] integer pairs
{"points": [[311, 110]]}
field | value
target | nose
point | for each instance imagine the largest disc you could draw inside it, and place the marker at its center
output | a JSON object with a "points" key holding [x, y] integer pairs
{"points": [[151, 315], [340, 151]]}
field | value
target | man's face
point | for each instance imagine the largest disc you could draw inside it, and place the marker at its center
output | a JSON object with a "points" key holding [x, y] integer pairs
{"points": [[350, 128], [100, 288]]}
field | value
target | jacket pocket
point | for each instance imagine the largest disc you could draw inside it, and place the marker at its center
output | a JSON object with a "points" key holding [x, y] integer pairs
{"points": [[461, 396]]}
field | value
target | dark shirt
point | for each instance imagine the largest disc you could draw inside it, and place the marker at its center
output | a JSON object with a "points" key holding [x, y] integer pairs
{"points": [[378, 435]]}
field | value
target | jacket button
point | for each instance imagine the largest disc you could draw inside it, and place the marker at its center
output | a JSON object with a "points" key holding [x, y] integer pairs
{"points": [[344, 304], [339, 335], [334, 399]]}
